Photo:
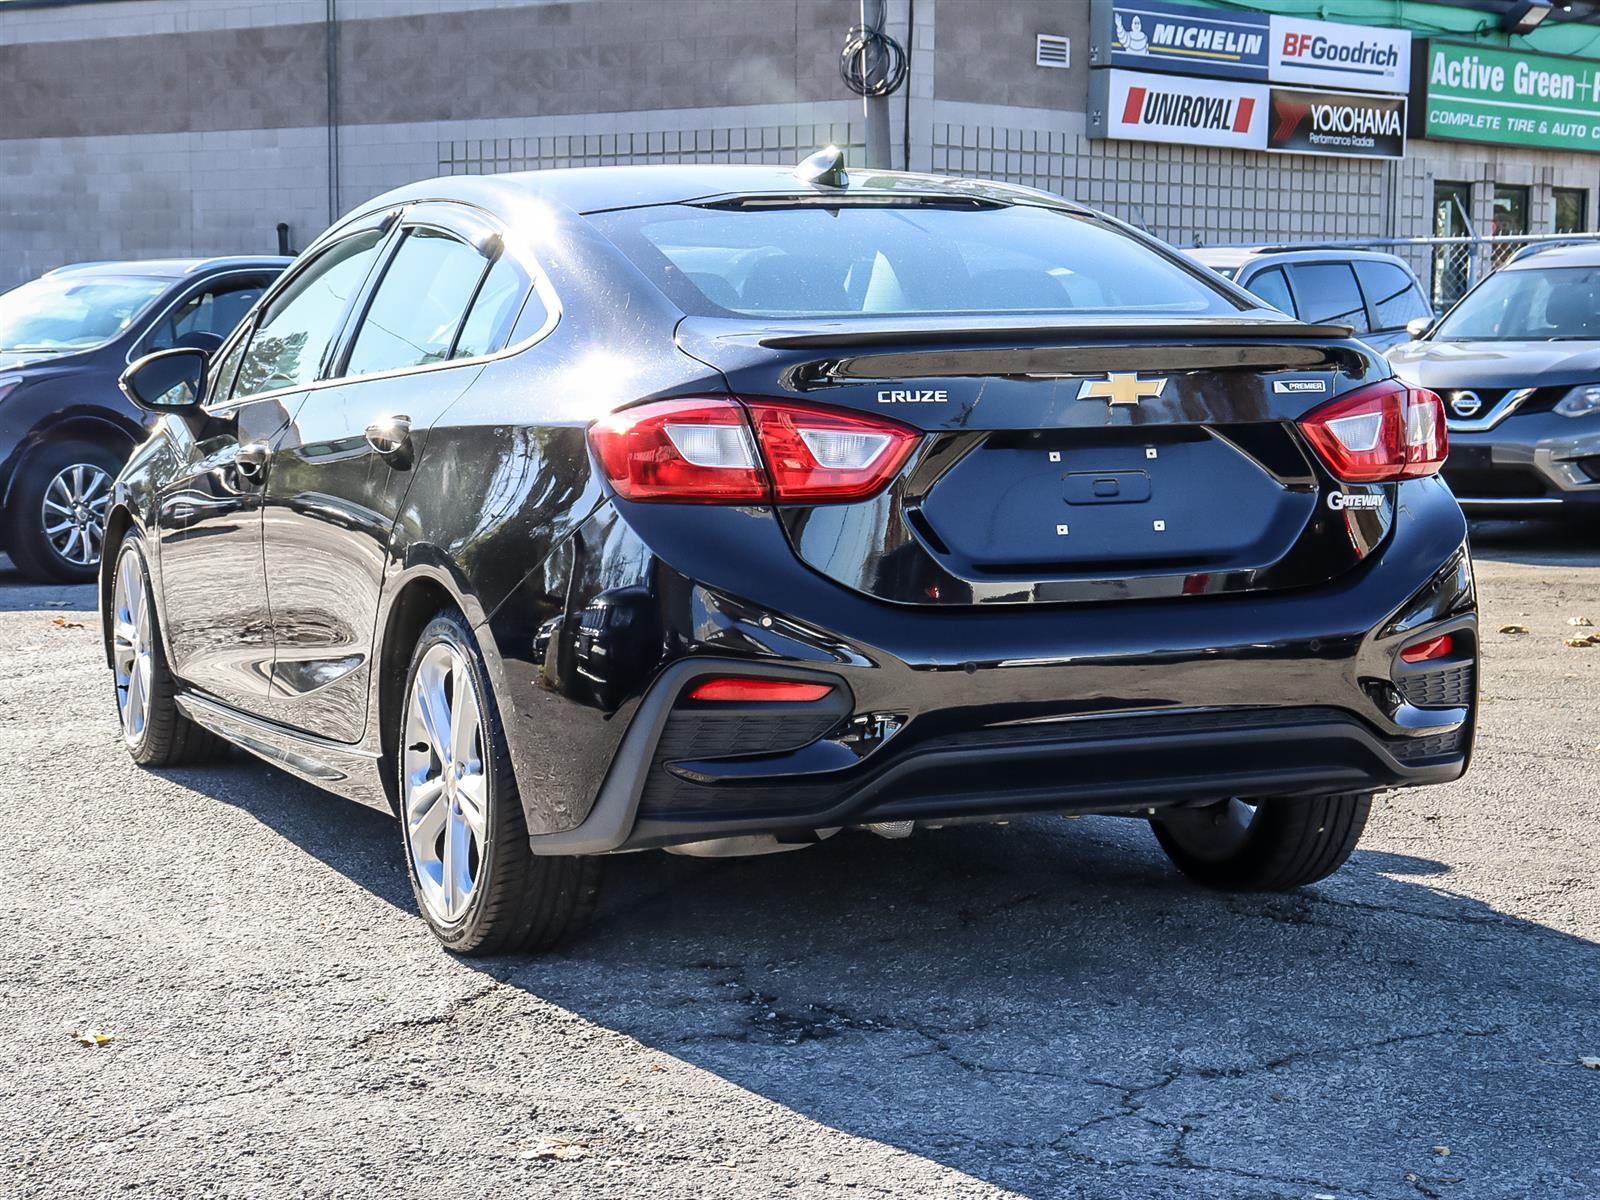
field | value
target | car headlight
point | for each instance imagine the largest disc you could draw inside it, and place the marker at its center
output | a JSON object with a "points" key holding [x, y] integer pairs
{"points": [[1580, 401]]}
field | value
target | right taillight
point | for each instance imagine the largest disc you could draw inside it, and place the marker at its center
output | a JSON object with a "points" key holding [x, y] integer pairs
{"points": [[1380, 434], [719, 450]]}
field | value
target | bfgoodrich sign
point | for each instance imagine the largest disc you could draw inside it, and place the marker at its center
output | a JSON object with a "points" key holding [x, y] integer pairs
{"points": [[1481, 94]]}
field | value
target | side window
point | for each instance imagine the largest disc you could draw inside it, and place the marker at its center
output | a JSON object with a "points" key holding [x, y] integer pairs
{"points": [[1394, 298], [419, 305], [494, 310], [291, 337], [1328, 292], [222, 373], [217, 310], [1270, 287]]}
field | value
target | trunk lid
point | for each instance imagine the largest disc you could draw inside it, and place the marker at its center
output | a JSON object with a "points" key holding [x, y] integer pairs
{"points": [[1071, 462]]}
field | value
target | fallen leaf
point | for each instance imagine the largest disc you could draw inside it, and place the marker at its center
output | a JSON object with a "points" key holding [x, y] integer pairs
{"points": [[91, 1037], [58, 603], [1442, 1151], [63, 623], [1580, 642], [1591, 1062], [1580, 622], [1513, 629]]}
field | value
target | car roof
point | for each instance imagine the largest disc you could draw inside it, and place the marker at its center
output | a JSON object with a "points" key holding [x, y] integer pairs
{"points": [[173, 268], [1560, 254], [1237, 256], [598, 189]]}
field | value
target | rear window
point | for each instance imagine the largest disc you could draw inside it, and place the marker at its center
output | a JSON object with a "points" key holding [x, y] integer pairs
{"points": [[903, 259]]}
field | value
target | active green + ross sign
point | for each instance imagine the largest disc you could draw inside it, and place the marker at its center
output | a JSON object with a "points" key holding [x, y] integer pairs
{"points": [[1483, 94]]}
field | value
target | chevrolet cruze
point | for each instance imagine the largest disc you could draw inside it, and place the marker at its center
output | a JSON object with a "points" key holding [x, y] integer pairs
{"points": [[722, 509]]}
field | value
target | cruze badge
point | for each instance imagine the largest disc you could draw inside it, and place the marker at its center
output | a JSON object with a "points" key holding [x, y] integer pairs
{"points": [[906, 396], [1342, 500], [1117, 389]]}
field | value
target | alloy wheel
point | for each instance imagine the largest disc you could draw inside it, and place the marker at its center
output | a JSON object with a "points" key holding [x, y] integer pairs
{"points": [[445, 789], [73, 512], [132, 647]]}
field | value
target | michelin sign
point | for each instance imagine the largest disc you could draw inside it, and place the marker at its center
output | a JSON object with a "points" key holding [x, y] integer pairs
{"points": [[1154, 35]]}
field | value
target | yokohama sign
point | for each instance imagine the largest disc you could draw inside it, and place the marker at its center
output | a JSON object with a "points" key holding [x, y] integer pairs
{"points": [[1337, 123], [1132, 105]]}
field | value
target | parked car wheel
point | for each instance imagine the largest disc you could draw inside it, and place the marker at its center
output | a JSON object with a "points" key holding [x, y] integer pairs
{"points": [[478, 884], [58, 511], [156, 733], [1267, 846]]}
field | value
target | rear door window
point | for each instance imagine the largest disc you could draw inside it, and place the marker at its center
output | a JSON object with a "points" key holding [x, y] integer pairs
{"points": [[418, 307], [293, 335], [1270, 287], [1328, 293], [494, 310], [1392, 294]]}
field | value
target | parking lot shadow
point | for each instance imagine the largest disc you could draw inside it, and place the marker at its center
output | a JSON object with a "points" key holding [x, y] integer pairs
{"points": [[1567, 542], [1049, 1008], [19, 595]]}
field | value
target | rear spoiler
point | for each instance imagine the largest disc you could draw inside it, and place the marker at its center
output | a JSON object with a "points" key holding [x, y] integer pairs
{"points": [[1125, 331]]}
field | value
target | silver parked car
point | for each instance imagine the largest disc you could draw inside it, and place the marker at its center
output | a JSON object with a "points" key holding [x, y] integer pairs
{"points": [[1375, 294]]}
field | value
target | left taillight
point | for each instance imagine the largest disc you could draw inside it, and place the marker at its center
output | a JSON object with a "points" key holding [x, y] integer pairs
{"points": [[1380, 434], [719, 450]]}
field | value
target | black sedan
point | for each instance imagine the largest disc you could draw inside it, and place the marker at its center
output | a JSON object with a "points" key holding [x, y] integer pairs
{"points": [[65, 428], [1517, 363], [723, 508]]}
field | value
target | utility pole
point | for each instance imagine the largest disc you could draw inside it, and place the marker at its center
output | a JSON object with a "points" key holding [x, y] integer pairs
{"points": [[875, 109]]}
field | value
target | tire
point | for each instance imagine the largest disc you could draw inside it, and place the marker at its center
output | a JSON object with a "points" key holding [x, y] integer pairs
{"points": [[509, 899], [1272, 846], [44, 495], [155, 732]]}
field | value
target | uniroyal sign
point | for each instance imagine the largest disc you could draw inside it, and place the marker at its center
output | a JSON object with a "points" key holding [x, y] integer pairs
{"points": [[1135, 106], [1329, 54]]}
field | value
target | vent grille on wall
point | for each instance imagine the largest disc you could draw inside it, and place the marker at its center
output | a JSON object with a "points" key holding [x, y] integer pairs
{"points": [[1052, 50]]}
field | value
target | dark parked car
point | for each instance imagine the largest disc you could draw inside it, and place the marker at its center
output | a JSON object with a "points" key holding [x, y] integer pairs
{"points": [[1517, 361], [1376, 294], [65, 428], [719, 508]]}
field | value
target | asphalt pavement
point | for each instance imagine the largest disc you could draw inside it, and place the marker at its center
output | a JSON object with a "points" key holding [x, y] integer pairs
{"points": [[1041, 1010]]}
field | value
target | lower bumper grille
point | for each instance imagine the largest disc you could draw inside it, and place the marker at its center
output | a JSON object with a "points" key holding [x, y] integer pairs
{"points": [[1448, 687]]}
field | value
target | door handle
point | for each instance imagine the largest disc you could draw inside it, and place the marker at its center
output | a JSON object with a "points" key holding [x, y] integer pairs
{"points": [[391, 437], [250, 460]]}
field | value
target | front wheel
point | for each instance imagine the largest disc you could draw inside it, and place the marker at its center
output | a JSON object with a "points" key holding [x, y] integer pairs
{"points": [[1266, 845], [58, 511], [480, 887]]}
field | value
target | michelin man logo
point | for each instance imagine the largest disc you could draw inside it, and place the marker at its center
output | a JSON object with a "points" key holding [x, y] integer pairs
{"points": [[1134, 39]]}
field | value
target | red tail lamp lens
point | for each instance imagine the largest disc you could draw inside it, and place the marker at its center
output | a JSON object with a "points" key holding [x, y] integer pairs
{"points": [[719, 450], [1380, 434], [761, 690], [1439, 647]]}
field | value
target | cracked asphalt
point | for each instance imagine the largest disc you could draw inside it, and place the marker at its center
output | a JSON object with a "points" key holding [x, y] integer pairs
{"points": [[1041, 1010]]}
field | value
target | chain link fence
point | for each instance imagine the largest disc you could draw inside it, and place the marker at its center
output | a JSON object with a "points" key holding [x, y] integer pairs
{"points": [[1448, 266]]}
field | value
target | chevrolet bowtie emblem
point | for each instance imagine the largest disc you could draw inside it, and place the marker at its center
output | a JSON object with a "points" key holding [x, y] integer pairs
{"points": [[1121, 389]]}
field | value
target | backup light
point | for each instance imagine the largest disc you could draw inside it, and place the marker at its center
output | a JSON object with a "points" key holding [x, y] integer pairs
{"points": [[720, 450], [770, 691], [1380, 434]]}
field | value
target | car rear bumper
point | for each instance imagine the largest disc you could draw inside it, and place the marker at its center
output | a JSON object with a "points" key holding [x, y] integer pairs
{"points": [[1530, 462], [941, 715]]}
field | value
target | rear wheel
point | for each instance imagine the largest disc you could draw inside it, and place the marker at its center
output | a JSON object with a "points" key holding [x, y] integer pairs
{"points": [[58, 514], [156, 733], [1264, 846], [479, 886]]}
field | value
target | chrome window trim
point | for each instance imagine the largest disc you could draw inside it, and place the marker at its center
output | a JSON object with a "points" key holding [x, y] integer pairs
{"points": [[184, 295], [541, 287], [1504, 407]]}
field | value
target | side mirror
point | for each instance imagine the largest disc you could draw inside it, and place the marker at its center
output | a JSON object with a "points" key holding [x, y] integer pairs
{"points": [[168, 381], [1418, 327]]}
